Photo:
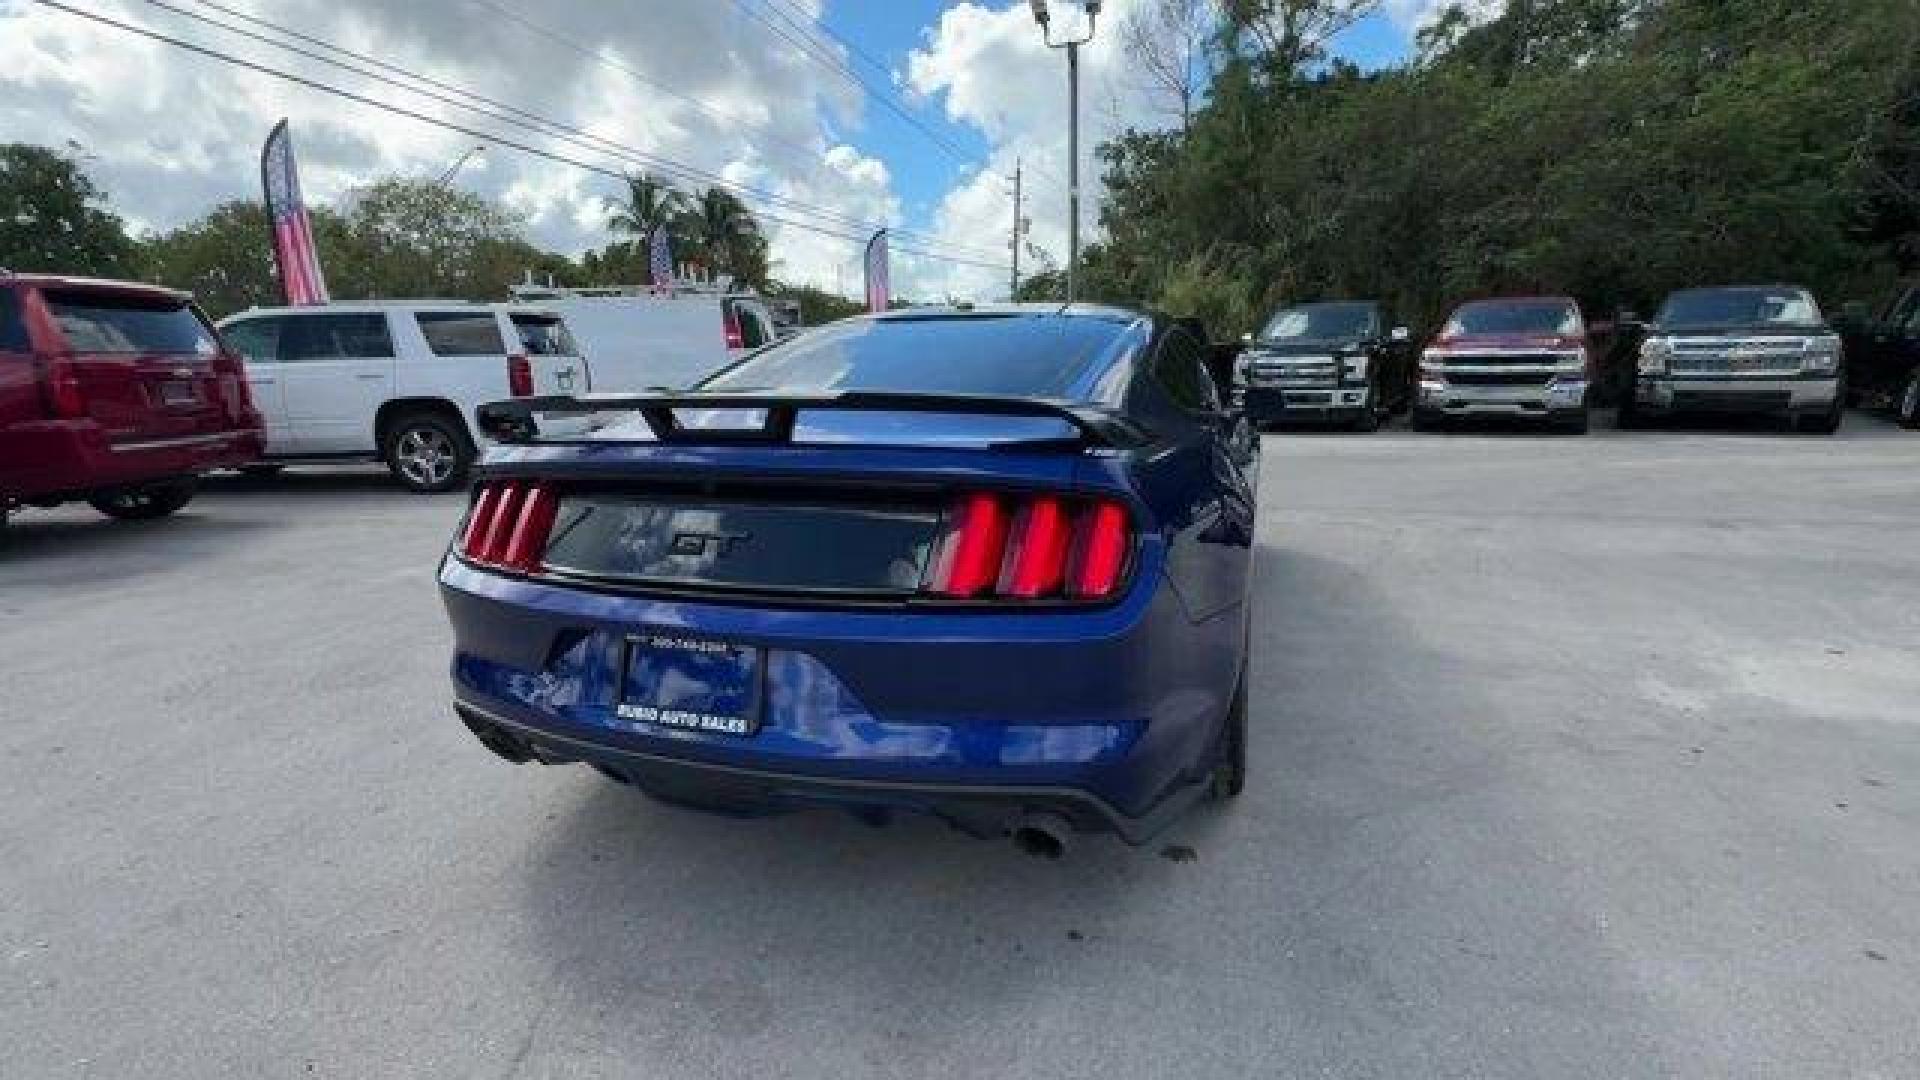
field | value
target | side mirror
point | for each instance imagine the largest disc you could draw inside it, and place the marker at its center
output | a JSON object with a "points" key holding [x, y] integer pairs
{"points": [[1401, 333]]}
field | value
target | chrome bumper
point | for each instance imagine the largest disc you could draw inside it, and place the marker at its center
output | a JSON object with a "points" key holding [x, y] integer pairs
{"points": [[1735, 393], [1454, 399]]}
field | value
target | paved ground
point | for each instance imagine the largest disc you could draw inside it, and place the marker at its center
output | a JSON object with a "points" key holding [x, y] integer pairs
{"points": [[1573, 758]]}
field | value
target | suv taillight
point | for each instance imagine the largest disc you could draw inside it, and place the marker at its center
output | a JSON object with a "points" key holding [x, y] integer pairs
{"points": [[731, 325], [508, 525], [65, 399], [1031, 547], [519, 375]]}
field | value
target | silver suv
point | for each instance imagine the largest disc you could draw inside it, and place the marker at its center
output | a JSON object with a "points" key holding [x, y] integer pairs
{"points": [[1742, 349]]}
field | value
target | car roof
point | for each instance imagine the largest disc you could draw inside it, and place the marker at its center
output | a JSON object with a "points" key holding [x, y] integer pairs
{"points": [[74, 281], [983, 312], [359, 306], [1521, 300]]}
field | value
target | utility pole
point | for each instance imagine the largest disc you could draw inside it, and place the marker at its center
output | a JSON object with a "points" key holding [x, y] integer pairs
{"points": [[1013, 289], [1042, 16], [1073, 163]]}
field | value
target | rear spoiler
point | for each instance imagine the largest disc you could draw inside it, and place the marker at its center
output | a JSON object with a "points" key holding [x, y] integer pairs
{"points": [[514, 421]]}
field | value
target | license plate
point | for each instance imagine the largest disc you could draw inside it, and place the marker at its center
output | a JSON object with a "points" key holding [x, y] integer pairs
{"points": [[178, 393], [696, 684]]}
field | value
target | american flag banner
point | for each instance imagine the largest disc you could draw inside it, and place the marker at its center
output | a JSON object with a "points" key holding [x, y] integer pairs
{"points": [[660, 260], [293, 247], [879, 281]]}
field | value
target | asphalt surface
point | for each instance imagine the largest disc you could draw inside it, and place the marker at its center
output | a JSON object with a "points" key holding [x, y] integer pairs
{"points": [[1571, 758]]}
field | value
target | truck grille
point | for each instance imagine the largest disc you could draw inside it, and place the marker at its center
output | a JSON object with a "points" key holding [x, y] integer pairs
{"points": [[1316, 372], [1498, 378], [1767, 357]]}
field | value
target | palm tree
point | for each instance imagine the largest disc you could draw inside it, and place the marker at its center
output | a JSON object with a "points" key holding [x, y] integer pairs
{"points": [[651, 203], [726, 235]]}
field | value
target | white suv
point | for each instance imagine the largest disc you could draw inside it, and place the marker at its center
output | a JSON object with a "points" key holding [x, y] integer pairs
{"points": [[397, 382]]}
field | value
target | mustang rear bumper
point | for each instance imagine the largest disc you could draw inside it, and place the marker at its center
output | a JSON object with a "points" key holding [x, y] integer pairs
{"points": [[981, 809], [1106, 716]]}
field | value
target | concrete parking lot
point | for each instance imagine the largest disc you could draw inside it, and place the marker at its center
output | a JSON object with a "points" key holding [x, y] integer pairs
{"points": [[1571, 758]]}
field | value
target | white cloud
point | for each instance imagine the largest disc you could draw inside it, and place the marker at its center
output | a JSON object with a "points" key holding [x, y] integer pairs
{"points": [[989, 67], [1412, 15], [169, 134]]}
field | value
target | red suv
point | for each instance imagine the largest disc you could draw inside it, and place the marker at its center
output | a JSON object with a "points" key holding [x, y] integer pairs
{"points": [[117, 393]]}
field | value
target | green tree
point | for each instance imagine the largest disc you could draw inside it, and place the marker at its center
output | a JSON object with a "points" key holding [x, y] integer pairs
{"points": [[226, 258], [415, 238], [53, 217], [725, 237]]}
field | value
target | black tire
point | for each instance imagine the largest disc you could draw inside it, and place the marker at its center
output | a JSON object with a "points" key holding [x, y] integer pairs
{"points": [[428, 452], [145, 503], [1425, 420], [1369, 418], [1230, 764], [1578, 424], [1825, 423], [1628, 418], [1907, 409]]}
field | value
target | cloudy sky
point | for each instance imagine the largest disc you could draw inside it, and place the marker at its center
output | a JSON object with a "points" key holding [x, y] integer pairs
{"points": [[767, 94]]}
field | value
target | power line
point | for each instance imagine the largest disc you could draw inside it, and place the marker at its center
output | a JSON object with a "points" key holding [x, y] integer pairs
{"points": [[574, 135], [449, 125], [821, 55]]}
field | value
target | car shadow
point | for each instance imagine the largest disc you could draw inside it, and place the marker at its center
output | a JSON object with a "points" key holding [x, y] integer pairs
{"points": [[46, 540], [1378, 875]]}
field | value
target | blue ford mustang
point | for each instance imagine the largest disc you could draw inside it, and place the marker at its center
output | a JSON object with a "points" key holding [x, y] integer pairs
{"points": [[986, 564]]}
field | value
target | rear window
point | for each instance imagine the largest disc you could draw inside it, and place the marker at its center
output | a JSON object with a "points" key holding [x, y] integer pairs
{"points": [[1533, 317], [13, 331], [461, 333], [544, 335], [1018, 355], [99, 323]]}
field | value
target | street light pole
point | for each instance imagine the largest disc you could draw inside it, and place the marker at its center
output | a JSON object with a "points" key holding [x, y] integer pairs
{"points": [[1041, 16], [446, 178]]}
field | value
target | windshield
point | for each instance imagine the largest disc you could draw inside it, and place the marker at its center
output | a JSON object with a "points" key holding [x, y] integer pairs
{"points": [[1530, 318], [1740, 307], [1320, 321], [1029, 356]]}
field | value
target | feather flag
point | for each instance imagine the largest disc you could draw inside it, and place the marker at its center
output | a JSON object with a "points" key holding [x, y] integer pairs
{"points": [[879, 283], [301, 281]]}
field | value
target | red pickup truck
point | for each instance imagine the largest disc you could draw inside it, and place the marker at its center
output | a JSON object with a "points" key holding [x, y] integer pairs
{"points": [[114, 392]]}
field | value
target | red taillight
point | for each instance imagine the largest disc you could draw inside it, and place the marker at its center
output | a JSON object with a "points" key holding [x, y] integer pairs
{"points": [[529, 540], [731, 324], [1036, 563], [65, 399], [1099, 552], [1041, 547], [509, 525], [519, 375], [479, 520], [969, 559]]}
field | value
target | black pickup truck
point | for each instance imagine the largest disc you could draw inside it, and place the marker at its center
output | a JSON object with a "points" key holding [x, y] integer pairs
{"points": [[1334, 361], [1883, 356]]}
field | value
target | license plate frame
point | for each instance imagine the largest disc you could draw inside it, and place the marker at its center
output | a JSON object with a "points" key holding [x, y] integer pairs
{"points": [[179, 394], [690, 683]]}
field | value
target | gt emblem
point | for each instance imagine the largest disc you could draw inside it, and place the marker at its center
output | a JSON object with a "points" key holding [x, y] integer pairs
{"points": [[701, 543]]}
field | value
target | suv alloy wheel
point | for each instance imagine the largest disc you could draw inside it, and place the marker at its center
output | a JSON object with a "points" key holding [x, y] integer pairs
{"points": [[427, 453]]}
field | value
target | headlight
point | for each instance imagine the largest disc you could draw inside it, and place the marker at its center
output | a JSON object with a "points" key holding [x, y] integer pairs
{"points": [[1654, 353], [1356, 368], [1822, 357]]}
